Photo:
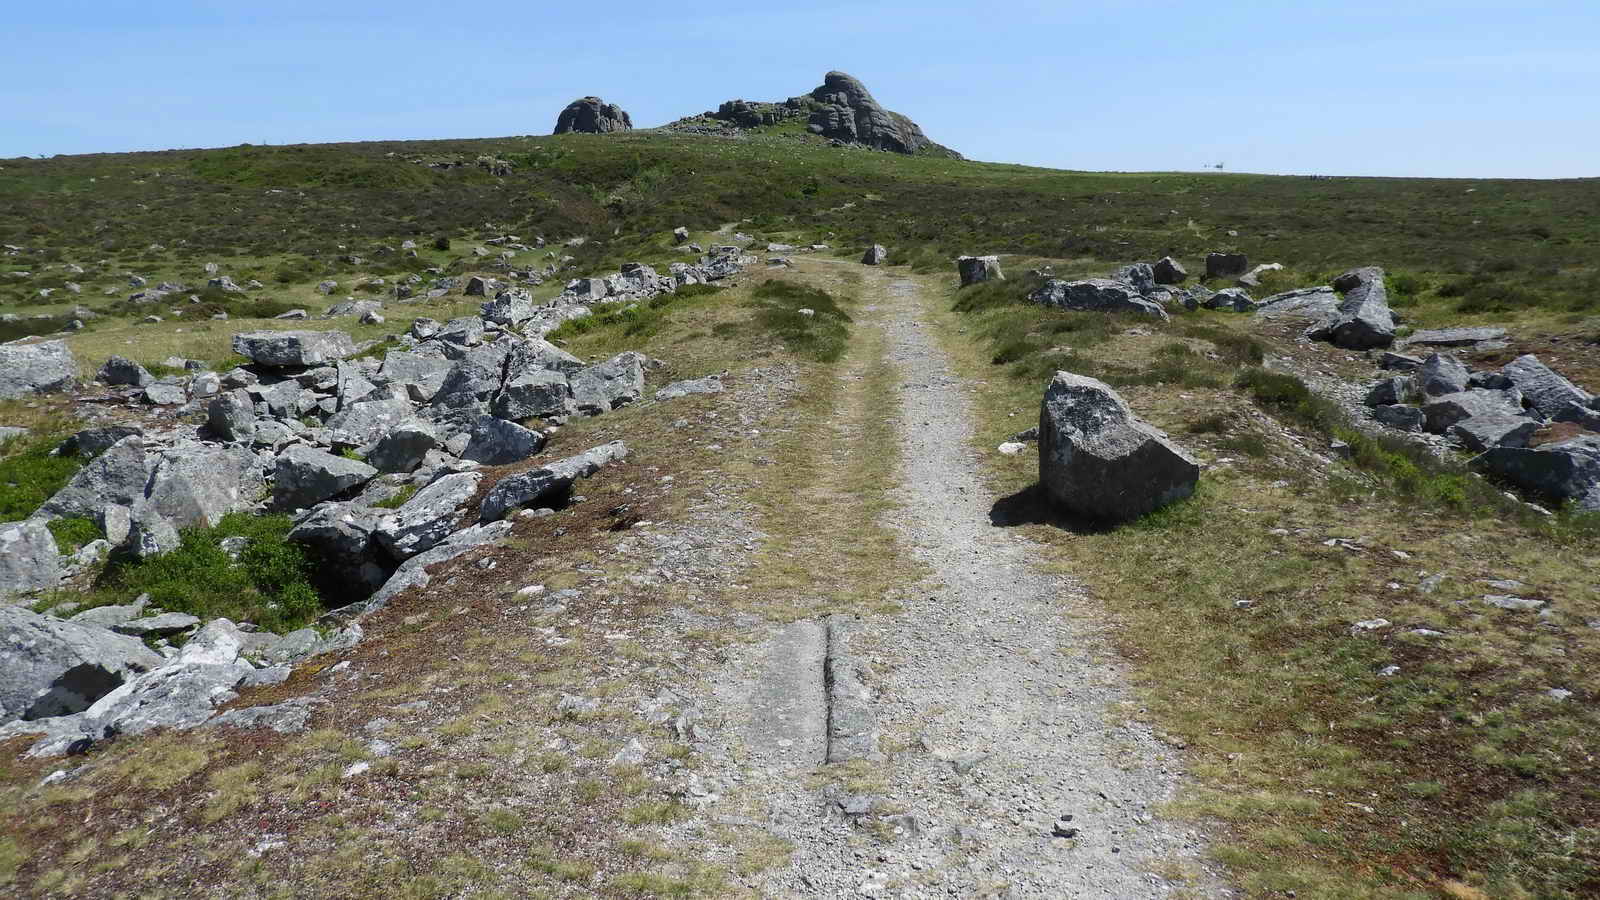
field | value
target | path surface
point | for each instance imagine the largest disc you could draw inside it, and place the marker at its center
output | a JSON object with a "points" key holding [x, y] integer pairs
{"points": [[994, 702]]}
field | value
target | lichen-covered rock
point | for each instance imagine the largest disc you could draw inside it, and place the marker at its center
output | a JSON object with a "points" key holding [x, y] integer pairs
{"points": [[293, 349], [609, 385], [1096, 295], [547, 485], [29, 558], [305, 476], [1098, 460], [41, 368], [49, 667]]}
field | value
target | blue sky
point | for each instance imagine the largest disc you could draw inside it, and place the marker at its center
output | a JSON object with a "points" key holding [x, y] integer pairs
{"points": [[1354, 88]]}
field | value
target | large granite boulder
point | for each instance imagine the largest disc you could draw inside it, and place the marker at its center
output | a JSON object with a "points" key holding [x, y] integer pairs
{"points": [[41, 368], [293, 349], [305, 476], [1096, 295], [1310, 303], [1098, 460], [118, 476], [497, 442], [976, 269], [591, 115], [1439, 375], [29, 558], [609, 385], [339, 535], [541, 393], [122, 371], [1226, 265], [231, 416], [49, 667], [1443, 412], [405, 446], [1561, 471], [876, 255], [1481, 433], [195, 484], [1169, 271], [421, 374], [360, 424]]}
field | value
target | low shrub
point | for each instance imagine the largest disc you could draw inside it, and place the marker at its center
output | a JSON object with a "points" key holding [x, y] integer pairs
{"points": [[29, 474], [271, 584]]}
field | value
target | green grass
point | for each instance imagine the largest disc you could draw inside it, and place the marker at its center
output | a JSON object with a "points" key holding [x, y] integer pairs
{"points": [[636, 321], [73, 532], [820, 335], [406, 492], [29, 475], [271, 584]]}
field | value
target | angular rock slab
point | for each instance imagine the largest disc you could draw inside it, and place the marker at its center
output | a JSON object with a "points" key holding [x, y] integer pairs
{"points": [[1097, 459], [285, 349], [29, 558], [497, 442], [538, 487], [1095, 295], [42, 368], [305, 476], [49, 667], [1363, 320], [1541, 387], [1560, 471], [609, 385], [428, 517]]}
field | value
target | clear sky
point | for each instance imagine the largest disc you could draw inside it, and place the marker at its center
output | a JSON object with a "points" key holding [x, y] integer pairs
{"points": [[1464, 88]]}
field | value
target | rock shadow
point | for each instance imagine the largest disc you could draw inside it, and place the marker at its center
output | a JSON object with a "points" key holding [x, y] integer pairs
{"points": [[1030, 506]]}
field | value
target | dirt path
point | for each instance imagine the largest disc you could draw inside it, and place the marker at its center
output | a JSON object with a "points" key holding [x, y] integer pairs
{"points": [[995, 705]]}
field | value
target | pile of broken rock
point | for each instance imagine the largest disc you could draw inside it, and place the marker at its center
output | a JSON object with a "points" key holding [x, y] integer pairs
{"points": [[1501, 415], [312, 428]]}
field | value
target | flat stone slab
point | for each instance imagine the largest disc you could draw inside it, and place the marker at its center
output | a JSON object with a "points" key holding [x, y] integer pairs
{"points": [[1452, 337]]}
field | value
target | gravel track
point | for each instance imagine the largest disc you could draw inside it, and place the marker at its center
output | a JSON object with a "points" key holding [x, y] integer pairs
{"points": [[995, 702]]}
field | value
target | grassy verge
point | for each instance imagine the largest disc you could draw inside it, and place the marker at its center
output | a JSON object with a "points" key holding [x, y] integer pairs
{"points": [[1423, 754]]}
